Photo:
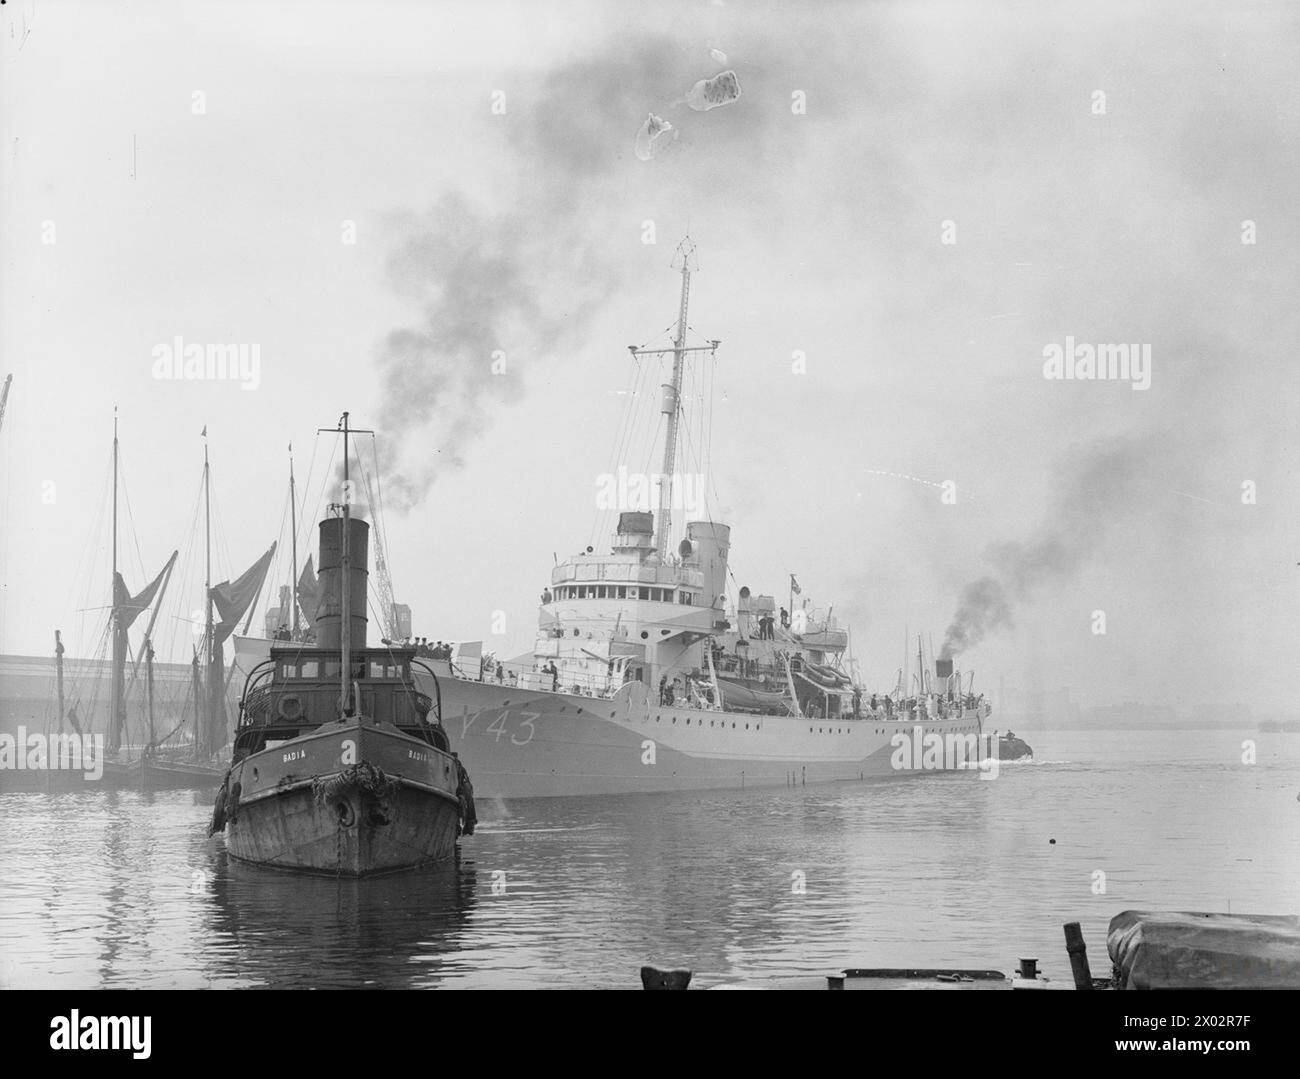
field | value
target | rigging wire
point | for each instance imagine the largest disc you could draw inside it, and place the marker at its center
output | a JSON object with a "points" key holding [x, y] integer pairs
{"points": [[130, 516], [80, 588]]}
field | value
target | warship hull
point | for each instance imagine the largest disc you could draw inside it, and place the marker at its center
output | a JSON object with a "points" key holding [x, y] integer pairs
{"points": [[530, 744], [352, 798]]}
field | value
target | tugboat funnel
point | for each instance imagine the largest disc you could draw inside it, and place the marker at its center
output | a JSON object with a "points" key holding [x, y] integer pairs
{"points": [[329, 618]]}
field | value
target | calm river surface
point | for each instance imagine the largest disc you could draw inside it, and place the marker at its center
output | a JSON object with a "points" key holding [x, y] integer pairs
{"points": [[119, 889]]}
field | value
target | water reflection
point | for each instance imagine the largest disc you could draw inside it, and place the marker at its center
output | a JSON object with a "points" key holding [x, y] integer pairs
{"points": [[291, 931], [125, 889]]}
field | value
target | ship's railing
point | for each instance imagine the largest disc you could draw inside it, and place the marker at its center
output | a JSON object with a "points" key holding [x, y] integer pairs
{"points": [[530, 676], [601, 686], [625, 573], [255, 687]]}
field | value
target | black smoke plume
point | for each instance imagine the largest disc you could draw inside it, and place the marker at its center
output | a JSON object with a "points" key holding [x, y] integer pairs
{"points": [[1095, 487]]}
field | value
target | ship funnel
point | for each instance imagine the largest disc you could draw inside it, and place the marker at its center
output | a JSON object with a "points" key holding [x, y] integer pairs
{"points": [[329, 617], [942, 675], [710, 544]]}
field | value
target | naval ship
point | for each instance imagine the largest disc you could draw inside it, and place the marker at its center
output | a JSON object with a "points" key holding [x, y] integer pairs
{"points": [[643, 677]]}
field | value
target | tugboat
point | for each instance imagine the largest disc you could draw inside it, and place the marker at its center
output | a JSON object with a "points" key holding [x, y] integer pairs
{"points": [[340, 764], [1011, 748]]}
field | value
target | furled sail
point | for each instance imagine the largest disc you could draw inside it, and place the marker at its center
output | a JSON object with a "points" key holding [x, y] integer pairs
{"points": [[308, 592], [126, 608], [231, 599]]}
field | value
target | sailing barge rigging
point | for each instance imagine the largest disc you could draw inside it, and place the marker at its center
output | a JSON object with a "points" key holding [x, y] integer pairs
{"points": [[158, 765], [154, 740], [340, 763]]}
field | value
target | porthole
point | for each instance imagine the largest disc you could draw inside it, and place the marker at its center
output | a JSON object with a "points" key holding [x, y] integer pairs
{"points": [[644, 634]]}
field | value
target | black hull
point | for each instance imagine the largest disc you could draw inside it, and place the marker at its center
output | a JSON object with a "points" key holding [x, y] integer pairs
{"points": [[351, 798]]}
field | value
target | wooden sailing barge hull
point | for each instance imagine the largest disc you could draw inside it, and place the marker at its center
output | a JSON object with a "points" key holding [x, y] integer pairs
{"points": [[160, 774], [351, 798]]}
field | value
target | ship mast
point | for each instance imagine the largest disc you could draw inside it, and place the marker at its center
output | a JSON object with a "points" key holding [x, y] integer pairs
{"points": [[672, 402], [675, 402], [201, 736], [114, 703], [58, 671], [345, 638], [293, 537], [148, 666]]}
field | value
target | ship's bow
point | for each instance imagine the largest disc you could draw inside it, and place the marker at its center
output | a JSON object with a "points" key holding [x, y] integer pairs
{"points": [[351, 798]]}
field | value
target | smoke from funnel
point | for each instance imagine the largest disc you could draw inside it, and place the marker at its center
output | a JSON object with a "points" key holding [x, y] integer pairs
{"points": [[1094, 489], [495, 291]]}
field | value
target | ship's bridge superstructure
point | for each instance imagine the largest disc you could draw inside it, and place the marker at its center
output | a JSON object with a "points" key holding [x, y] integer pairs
{"points": [[632, 616], [652, 611]]}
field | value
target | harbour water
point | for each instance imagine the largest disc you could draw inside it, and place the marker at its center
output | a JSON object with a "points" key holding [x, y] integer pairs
{"points": [[122, 889]]}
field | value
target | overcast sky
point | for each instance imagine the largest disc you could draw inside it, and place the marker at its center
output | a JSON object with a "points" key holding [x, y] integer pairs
{"points": [[198, 170]]}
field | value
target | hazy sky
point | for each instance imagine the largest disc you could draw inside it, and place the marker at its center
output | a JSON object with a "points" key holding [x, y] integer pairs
{"points": [[482, 156]]}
